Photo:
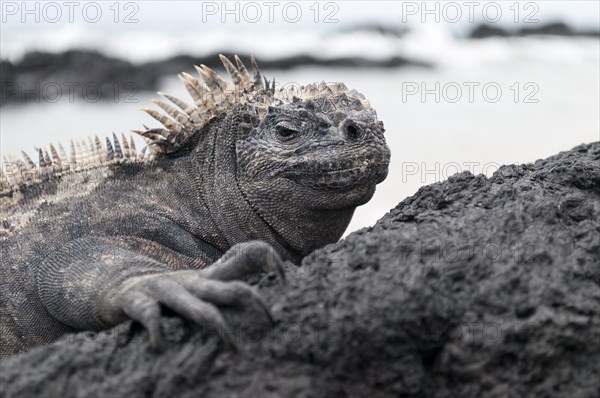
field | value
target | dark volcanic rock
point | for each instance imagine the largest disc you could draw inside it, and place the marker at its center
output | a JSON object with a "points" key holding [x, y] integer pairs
{"points": [[483, 31], [7, 77], [551, 29], [382, 29], [174, 65], [472, 287], [71, 75], [92, 76]]}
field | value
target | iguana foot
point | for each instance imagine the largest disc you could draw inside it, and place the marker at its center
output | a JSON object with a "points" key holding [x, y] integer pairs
{"points": [[195, 295], [244, 259]]}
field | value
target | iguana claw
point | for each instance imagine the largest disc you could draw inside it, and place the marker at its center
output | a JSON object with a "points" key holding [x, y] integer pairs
{"points": [[244, 259], [195, 295]]}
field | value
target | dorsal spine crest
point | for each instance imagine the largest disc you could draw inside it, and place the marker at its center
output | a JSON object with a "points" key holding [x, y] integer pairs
{"points": [[211, 97]]}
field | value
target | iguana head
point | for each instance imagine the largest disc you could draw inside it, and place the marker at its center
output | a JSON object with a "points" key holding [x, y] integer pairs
{"points": [[322, 148], [302, 157]]}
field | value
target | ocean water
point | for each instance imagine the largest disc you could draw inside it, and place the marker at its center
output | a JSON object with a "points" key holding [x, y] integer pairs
{"points": [[484, 104]]}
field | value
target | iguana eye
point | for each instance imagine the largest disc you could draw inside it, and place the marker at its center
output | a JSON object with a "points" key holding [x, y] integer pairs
{"points": [[286, 132]]}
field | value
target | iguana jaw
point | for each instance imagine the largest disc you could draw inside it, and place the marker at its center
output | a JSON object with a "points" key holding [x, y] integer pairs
{"points": [[341, 175]]}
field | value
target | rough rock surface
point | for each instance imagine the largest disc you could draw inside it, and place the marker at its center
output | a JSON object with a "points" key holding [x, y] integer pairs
{"points": [[472, 287]]}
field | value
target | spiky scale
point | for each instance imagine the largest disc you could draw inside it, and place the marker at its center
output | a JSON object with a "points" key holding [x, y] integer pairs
{"points": [[55, 158], [172, 137], [179, 116], [28, 162], [236, 78], [6, 165], [213, 81], [20, 169], [92, 153], [258, 80], [52, 168], [110, 154], [190, 110], [340, 87], [151, 135], [246, 78], [322, 86], [118, 151], [47, 157], [57, 166], [74, 155], [170, 124], [62, 152], [125, 146], [100, 152], [132, 148], [30, 172], [3, 179], [64, 159], [41, 160], [14, 168], [208, 103], [82, 153], [262, 110], [5, 186], [44, 172], [143, 152], [86, 155], [311, 91], [193, 87]]}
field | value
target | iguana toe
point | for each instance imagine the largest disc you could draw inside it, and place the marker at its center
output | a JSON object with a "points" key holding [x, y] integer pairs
{"points": [[245, 259], [175, 290], [145, 310], [189, 294], [224, 293]]}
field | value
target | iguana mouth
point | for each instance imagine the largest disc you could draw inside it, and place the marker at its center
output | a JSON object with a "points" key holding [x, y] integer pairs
{"points": [[339, 174]]}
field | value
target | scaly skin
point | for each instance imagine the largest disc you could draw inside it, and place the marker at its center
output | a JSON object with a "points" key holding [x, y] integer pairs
{"points": [[239, 192]]}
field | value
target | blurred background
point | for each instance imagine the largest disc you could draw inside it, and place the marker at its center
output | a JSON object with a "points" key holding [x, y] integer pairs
{"points": [[458, 85]]}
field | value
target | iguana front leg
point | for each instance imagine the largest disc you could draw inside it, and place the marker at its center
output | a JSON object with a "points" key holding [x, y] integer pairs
{"points": [[91, 285]]}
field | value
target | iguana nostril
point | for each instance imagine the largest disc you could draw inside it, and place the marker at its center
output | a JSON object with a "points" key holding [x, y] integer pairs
{"points": [[352, 132]]}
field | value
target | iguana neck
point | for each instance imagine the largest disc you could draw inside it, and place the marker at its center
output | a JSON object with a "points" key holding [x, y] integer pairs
{"points": [[302, 228], [229, 209]]}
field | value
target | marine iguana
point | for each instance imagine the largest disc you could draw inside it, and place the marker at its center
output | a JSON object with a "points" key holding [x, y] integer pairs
{"points": [[245, 177]]}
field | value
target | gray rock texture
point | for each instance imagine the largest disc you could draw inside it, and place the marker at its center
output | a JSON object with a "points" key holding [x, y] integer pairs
{"points": [[473, 287]]}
